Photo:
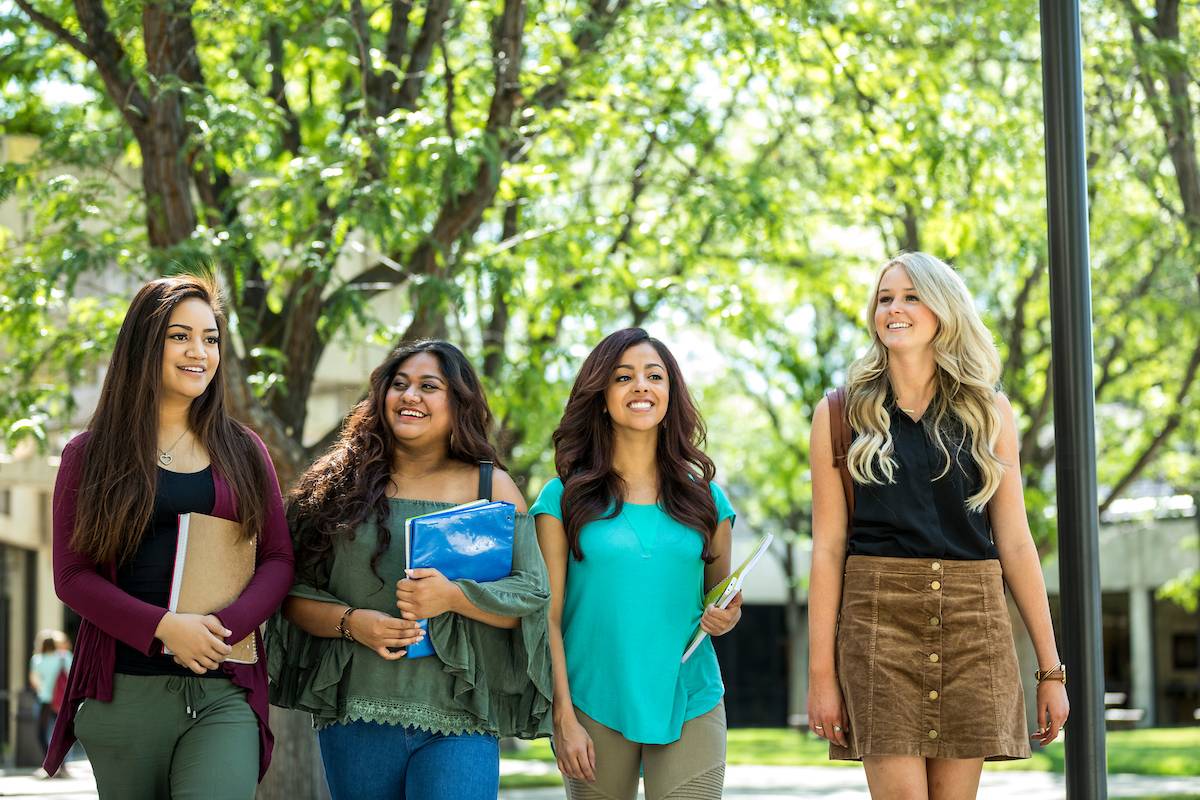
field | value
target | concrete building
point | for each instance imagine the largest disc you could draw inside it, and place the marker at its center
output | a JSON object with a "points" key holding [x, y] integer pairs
{"points": [[1150, 644]]}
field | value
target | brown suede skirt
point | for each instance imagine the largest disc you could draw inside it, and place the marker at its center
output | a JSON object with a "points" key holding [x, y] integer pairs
{"points": [[926, 661]]}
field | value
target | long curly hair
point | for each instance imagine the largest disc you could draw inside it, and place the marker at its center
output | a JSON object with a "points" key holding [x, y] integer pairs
{"points": [[583, 448], [348, 484], [120, 467], [966, 376]]}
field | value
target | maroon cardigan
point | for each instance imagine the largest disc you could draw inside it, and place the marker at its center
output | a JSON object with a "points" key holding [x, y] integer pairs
{"points": [[110, 614]]}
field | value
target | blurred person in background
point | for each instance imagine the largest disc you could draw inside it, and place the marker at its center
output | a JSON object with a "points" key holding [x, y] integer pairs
{"points": [[48, 670]]}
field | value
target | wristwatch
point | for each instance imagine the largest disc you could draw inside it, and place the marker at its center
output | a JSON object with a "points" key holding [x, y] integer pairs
{"points": [[1057, 673]]}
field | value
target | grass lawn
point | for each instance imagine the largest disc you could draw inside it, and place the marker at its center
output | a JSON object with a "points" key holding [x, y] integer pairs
{"points": [[1151, 751], [542, 781], [1154, 751]]}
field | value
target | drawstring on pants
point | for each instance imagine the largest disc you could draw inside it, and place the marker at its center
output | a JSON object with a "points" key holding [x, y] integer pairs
{"points": [[192, 690]]}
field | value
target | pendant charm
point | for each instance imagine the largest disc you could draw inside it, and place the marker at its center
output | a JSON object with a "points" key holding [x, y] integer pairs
{"points": [[165, 459]]}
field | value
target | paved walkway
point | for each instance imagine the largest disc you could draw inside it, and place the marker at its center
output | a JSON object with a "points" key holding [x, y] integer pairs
{"points": [[742, 783], [849, 783]]}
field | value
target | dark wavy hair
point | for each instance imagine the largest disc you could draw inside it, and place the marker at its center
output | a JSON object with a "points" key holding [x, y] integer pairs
{"points": [[120, 467], [583, 448], [348, 484]]}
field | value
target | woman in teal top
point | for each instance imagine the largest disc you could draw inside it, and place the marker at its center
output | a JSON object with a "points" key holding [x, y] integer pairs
{"points": [[633, 532], [390, 726]]}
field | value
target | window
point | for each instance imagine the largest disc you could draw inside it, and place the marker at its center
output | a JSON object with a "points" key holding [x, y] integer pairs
{"points": [[1183, 651]]}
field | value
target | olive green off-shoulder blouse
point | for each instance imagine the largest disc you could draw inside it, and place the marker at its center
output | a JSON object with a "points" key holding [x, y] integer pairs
{"points": [[482, 679]]}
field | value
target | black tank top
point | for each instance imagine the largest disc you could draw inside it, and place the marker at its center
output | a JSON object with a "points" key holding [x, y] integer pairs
{"points": [[147, 576], [918, 516]]}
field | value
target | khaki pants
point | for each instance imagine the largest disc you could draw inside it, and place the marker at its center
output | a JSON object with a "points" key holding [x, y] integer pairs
{"points": [[691, 768]]}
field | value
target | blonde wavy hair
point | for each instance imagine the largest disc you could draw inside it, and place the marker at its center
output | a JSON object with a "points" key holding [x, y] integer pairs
{"points": [[966, 376]]}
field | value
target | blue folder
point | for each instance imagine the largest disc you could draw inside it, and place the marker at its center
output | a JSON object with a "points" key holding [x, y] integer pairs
{"points": [[472, 541]]}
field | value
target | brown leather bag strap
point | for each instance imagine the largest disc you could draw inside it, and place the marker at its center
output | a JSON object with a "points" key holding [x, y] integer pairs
{"points": [[839, 427]]}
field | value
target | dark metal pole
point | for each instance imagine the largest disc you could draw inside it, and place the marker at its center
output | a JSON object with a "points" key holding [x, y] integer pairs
{"points": [[1074, 414]]}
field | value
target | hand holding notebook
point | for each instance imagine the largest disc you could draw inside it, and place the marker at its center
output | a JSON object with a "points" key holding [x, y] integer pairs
{"points": [[473, 541], [424, 593], [723, 593], [213, 564]]}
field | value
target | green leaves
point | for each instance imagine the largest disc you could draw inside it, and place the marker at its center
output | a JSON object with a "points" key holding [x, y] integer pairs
{"points": [[728, 175]]}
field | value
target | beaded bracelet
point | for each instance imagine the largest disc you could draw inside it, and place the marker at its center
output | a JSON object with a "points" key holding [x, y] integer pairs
{"points": [[343, 626]]}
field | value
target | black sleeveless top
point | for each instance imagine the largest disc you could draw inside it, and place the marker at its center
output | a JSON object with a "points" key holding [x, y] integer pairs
{"points": [[918, 516], [147, 576]]}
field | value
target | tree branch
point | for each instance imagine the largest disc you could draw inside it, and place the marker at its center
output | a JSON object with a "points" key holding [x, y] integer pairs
{"points": [[60, 33], [1176, 120], [112, 62], [286, 452], [366, 75], [1139, 290], [1015, 364], [397, 37], [302, 344], [460, 215], [291, 132], [418, 63], [496, 333], [1172, 422], [589, 32], [448, 81], [1034, 456], [637, 185]]}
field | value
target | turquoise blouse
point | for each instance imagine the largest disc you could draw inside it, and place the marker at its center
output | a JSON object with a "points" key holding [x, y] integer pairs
{"points": [[630, 609]]}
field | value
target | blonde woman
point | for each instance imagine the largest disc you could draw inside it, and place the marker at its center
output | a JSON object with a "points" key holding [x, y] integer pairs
{"points": [[912, 664]]}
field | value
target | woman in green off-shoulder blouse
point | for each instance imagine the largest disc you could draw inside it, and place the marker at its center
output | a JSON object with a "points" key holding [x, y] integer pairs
{"points": [[390, 726]]}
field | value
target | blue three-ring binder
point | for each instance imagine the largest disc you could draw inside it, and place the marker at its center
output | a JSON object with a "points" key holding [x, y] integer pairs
{"points": [[473, 541]]}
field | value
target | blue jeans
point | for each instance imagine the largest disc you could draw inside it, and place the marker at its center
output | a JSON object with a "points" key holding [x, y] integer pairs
{"points": [[392, 762]]}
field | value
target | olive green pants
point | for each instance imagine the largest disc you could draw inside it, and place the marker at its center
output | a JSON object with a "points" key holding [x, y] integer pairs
{"points": [[690, 768], [171, 738]]}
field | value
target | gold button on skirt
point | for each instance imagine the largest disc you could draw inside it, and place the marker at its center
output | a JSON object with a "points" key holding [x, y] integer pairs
{"points": [[945, 689]]}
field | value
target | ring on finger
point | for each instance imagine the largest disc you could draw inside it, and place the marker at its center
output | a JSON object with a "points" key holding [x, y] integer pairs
{"points": [[837, 728]]}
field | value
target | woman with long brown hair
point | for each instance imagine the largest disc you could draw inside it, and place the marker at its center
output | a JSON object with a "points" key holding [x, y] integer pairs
{"points": [[390, 726], [161, 443], [634, 531]]}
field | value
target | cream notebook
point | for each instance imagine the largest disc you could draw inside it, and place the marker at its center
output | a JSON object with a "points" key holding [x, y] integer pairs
{"points": [[213, 564]]}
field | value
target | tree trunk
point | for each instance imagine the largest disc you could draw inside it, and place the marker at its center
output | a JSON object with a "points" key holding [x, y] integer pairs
{"points": [[170, 213], [166, 179], [296, 771]]}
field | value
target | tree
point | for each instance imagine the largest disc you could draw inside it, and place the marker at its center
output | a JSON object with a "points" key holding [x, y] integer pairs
{"points": [[337, 163], [522, 177]]}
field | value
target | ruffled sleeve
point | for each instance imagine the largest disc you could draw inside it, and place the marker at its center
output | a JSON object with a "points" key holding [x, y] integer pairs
{"points": [[503, 675], [305, 670]]}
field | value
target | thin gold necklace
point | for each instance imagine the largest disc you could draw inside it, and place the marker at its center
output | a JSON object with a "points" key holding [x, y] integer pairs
{"points": [[912, 410]]}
